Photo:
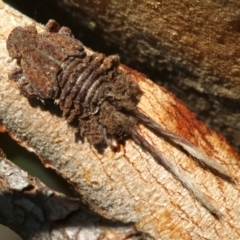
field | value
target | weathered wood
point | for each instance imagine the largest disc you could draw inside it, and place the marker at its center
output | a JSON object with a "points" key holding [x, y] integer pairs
{"points": [[34, 211], [200, 37], [129, 186], [192, 47]]}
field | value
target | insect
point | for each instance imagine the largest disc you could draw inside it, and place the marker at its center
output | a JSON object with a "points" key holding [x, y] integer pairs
{"points": [[91, 89]]}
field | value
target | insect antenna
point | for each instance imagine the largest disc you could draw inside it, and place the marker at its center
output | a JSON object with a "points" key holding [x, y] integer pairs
{"points": [[196, 153], [180, 175]]}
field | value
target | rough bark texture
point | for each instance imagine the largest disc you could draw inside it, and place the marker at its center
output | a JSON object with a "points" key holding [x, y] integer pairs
{"points": [[129, 186], [185, 45], [36, 212]]}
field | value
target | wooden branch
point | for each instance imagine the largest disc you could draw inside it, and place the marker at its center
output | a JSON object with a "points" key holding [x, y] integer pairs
{"points": [[201, 38], [36, 212], [129, 186], [184, 45]]}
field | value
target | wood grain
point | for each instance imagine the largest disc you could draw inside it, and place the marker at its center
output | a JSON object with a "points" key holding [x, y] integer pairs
{"points": [[129, 186], [192, 47]]}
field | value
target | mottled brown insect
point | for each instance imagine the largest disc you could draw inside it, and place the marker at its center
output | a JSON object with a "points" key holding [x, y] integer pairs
{"points": [[90, 88]]}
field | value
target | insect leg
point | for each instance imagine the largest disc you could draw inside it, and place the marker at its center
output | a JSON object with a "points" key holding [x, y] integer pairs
{"points": [[180, 175], [185, 144]]}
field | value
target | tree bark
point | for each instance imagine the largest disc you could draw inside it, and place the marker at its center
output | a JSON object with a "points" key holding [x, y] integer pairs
{"points": [[129, 186], [190, 47], [36, 212]]}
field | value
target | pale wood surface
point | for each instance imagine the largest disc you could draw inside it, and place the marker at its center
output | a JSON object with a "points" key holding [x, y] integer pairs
{"points": [[129, 186]]}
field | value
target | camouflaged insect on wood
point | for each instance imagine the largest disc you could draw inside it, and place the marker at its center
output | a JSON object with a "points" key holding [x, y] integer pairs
{"points": [[92, 89]]}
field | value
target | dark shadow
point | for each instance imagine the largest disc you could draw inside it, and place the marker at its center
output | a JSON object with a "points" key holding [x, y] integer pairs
{"points": [[47, 105], [30, 163]]}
